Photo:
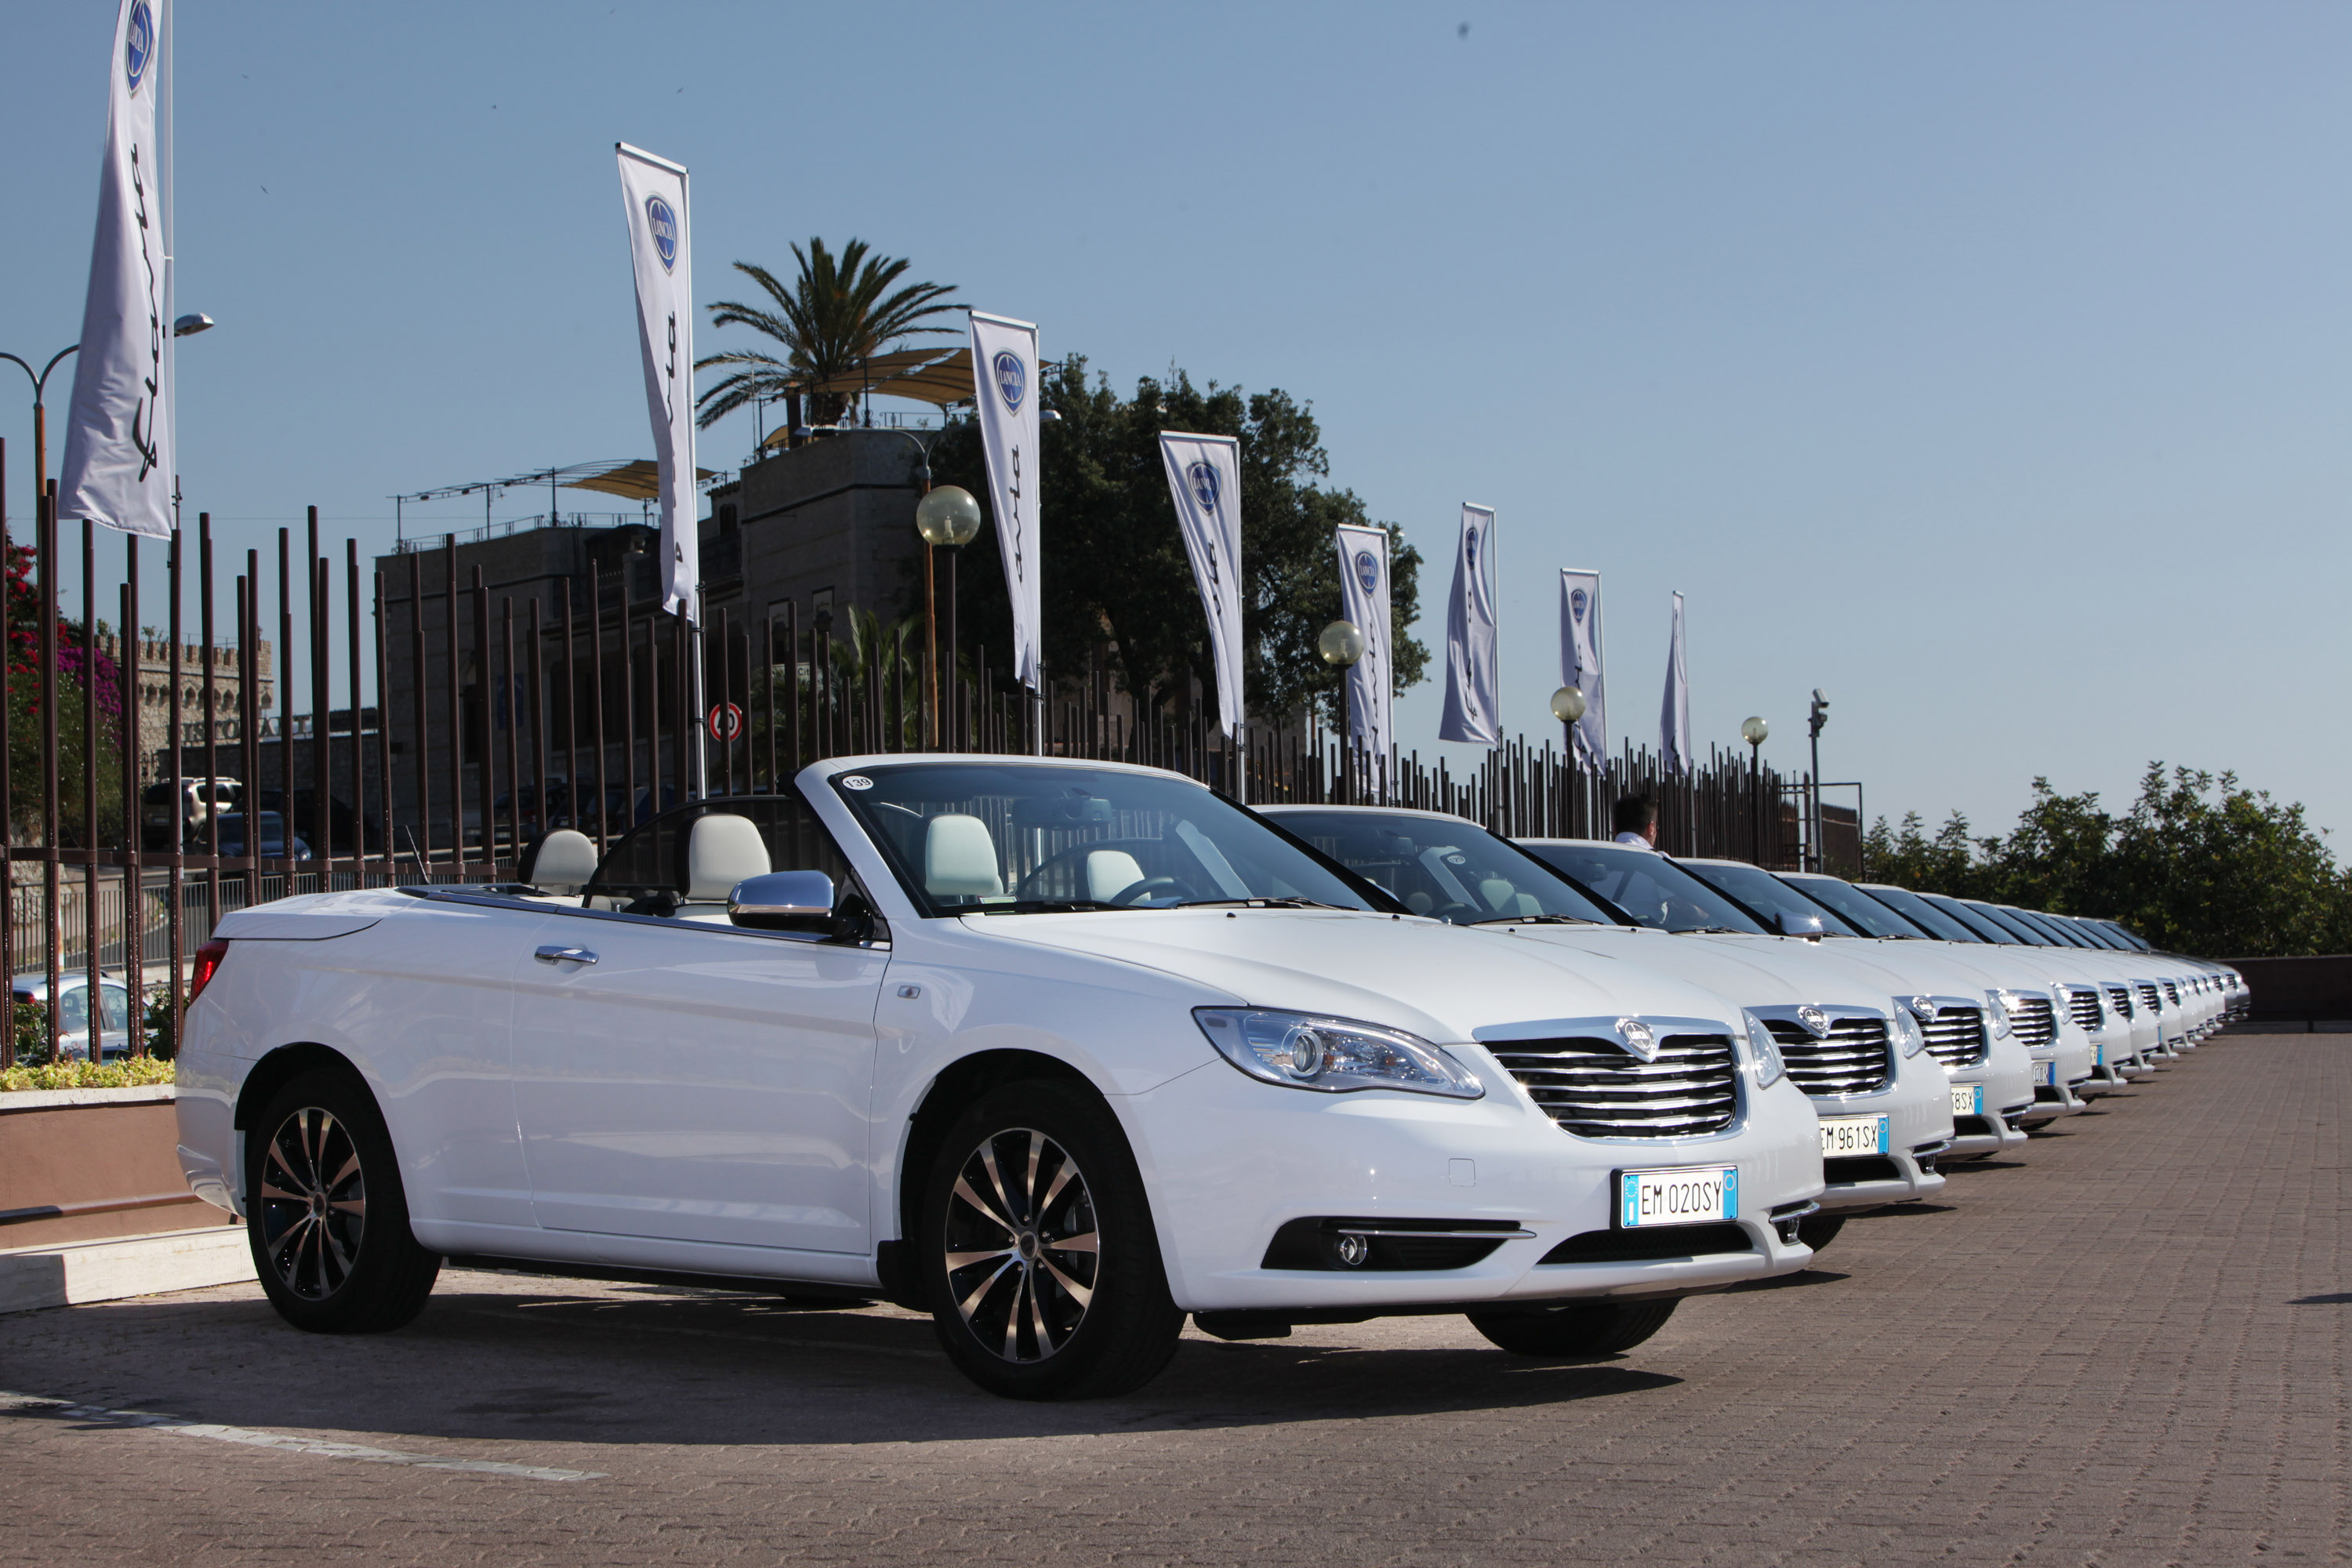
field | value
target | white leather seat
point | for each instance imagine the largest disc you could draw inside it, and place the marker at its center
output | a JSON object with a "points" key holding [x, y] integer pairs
{"points": [[563, 862], [1110, 872], [960, 859], [720, 851]]}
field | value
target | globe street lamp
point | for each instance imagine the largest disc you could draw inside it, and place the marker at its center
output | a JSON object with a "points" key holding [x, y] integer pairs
{"points": [[1341, 644], [1569, 706], [947, 516], [1753, 729]]}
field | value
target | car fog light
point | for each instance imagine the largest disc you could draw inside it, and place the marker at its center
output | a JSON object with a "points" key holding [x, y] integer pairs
{"points": [[1353, 1250], [1305, 1048]]}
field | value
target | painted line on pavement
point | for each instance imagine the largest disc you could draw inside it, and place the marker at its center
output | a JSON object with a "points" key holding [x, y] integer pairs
{"points": [[319, 1447]]}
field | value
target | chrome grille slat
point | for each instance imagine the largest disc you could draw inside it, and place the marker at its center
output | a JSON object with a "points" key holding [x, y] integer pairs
{"points": [[2172, 992], [2122, 998], [1852, 1059], [1595, 1088], [2030, 1019], [2148, 998], [1956, 1036], [2082, 1007]]}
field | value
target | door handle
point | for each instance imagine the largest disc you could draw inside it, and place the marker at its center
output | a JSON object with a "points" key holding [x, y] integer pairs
{"points": [[565, 956]]}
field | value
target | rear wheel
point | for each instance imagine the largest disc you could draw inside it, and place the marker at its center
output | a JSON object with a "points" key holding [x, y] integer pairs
{"points": [[1038, 1252], [1818, 1230], [1583, 1331], [329, 1222]]}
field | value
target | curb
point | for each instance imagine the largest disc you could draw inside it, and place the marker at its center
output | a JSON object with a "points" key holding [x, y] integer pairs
{"points": [[70, 1275]]}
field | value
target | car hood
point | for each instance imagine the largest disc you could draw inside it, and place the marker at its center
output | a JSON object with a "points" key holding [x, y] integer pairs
{"points": [[1897, 968], [1762, 975], [1441, 982]]}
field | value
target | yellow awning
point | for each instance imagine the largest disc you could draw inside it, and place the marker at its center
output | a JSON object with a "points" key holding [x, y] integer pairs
{"points": [[638, 480]]}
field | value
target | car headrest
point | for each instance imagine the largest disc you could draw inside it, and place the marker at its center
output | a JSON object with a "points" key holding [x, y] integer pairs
{"points": [[959, 858], [562, 862], [1110, 872], [720, 851]]}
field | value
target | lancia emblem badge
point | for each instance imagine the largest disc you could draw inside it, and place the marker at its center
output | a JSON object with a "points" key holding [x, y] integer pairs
{"points": [[1012, 378], [1638, 1039], [1204, 486], [1368, 570], [1922, 1008], [1816, 1022], [137, 45], [1576, 604], [661, 219]]}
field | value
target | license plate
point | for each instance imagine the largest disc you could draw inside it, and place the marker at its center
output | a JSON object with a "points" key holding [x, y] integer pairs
{"points": [[1852, 1135], [2048, 1073], [1687, 1195], [2098, 1056], [1968, 1100]]}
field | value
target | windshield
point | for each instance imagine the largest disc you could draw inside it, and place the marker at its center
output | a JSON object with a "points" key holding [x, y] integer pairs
{"points": [[1922, 914], [2022, 931], [1860, 910], [1986, 930], [1643, 886], [1445, 867], [2046, 925], [2092, 932], [1014, 838], [1765, 896]]}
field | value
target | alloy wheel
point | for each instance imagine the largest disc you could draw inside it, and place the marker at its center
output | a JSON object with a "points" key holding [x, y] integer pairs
{"points": [[1024, 1257], [313, 1202]]}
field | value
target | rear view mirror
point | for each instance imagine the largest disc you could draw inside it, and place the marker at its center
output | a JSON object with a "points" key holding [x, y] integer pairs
{"points": [[783, 901], [1795, 924], [1066, 811]]}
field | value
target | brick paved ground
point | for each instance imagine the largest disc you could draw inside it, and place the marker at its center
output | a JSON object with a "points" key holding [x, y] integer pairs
{"points": [[2125, 1347]]}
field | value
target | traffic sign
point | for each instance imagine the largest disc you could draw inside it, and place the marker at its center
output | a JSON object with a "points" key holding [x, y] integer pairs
{"points": [[725, 722]]}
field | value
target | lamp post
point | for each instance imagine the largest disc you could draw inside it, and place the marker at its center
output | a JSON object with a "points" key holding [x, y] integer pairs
{"points": [[1819, 716], [40, 379], [1341, 644], [1753, 729], [947, 516]]}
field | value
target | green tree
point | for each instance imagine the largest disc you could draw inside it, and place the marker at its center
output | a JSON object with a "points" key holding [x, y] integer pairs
{"points": [[838, 312], [2199, 863], [1114, 570]]}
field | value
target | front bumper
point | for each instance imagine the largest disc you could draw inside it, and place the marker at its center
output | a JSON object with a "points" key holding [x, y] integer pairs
{"points": [[1230, 1161]]}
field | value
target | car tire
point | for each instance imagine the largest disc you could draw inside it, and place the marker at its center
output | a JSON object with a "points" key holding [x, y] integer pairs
{"points": [[1030, 1170], [328, 1219], [1583, 1331], [1818, 1230]]}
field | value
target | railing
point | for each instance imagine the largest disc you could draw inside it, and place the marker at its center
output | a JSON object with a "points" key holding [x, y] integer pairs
{"points": [[485, 723]]}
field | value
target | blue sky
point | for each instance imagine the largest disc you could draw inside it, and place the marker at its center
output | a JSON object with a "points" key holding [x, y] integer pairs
{"points": [[1982, 365]]}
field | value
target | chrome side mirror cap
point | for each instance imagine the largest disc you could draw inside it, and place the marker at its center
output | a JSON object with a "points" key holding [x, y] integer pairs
{"points": [[783, 901]]}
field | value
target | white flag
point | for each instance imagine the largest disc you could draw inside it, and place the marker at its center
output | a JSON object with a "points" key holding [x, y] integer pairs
{"points": [[1005, 376], [1580, 663], [1204, 474], [653, 191], [1364, 592], [119, 462], [1674, 719], [1473, 677]]}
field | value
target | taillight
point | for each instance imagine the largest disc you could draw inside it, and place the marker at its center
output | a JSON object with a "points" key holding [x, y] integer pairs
{"points": [[208, 962]]}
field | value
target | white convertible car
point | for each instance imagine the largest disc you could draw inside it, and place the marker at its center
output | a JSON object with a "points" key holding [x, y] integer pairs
{"points": [[1056, 1052]]}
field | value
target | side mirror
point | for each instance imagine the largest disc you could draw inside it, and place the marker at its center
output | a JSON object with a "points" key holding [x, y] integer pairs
{"points": [[1792, 924], [783, 901]]}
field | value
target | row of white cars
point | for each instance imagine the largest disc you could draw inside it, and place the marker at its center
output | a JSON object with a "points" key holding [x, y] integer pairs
{"points": [[1061, 1053]]}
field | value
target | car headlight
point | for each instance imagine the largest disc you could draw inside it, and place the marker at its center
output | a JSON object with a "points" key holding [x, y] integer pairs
{"points": [[1306, 1050], [1764, 1052], [1909, 1037], [1997, 1014]]}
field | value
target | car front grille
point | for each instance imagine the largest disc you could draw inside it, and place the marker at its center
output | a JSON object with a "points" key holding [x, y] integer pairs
{"points": [[2082, 1007], [2122, 998], [1852, 1061], [2172, 992], [1956, 1036], [2030, 1020], [2147, 998], [1595, 1088]]}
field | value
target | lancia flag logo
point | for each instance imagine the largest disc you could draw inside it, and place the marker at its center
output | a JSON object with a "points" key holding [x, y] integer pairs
{"points": [[1368, 571], [1012, 379], [662, 222], [137, 45], [1638, 1039], [1204, 486], [1201, 472]]}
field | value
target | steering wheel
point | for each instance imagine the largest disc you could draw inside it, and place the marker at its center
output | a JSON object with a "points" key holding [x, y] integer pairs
{"points": [[1131, 896]]}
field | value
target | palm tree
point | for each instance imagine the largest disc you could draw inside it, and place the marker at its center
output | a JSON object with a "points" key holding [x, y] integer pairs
{"points": [[839, 313]]}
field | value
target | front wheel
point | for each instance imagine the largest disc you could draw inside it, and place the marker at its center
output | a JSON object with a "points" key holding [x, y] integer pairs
{"points": [[1584, 1331], [1038, 1252], [329, 1221]]}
